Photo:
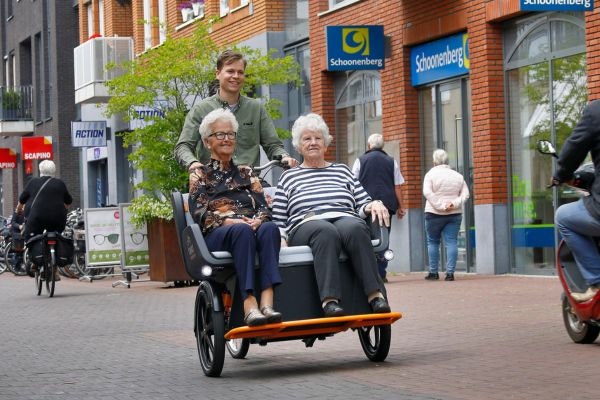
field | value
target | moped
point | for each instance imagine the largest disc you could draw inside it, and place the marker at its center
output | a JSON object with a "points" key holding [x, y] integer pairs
{"points": [[582, 320]]}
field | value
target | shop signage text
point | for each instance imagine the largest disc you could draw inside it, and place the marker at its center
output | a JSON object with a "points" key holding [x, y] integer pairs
{"points": [[440, 59], [37, 148], [557, 5], [88, 133], [8, 158], [355, 47]]}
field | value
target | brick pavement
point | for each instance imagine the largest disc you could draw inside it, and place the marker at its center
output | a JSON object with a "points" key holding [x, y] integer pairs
{"points": [[479, 337]]}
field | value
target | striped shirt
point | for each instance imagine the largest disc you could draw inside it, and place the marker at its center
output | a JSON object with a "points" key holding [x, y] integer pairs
{"points": [[309, 192]]}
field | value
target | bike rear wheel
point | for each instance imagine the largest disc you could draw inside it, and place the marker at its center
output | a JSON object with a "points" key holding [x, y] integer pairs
{"points": [[51, 274]]}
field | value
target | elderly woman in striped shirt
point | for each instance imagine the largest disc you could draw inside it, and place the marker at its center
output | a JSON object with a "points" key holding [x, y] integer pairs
{"points": [[322, 205]]}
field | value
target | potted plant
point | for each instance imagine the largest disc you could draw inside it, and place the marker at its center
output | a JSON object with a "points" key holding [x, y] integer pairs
{"points": [[187, 12], [198, 7], [10, 103]]}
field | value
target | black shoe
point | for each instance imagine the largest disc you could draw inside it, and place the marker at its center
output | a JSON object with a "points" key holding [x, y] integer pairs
{"points": [[449, 277], [380, 305], [432, 276], [333, 309], [255, 318]]}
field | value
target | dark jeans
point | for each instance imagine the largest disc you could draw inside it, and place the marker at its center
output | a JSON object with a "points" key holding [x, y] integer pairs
{"points": [[244, 244]]}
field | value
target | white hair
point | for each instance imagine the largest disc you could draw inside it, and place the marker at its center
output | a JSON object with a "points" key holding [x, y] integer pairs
{"points": [[47, 168], [375, 141], [310, 122], [440, 157], [219, 114]]}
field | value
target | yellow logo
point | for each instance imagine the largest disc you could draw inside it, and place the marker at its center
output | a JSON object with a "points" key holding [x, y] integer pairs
{"points": [[355, 40], [466, 55]]}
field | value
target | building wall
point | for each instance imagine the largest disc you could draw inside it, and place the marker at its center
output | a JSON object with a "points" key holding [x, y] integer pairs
{"points": [[57, 25]]}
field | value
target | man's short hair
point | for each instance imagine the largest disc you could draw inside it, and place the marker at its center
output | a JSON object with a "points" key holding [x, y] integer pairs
{"points": [[229, 56], [375, 141]]}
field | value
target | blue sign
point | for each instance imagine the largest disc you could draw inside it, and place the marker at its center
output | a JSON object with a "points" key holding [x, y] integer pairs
{"points": [[88, 133], [355, 47], [440, 59], [557, 5]]}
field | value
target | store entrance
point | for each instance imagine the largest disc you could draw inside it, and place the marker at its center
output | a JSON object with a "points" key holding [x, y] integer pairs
{"points": [[447, 125]]}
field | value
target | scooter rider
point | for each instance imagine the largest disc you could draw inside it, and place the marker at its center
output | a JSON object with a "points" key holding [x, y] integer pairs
{"points": [[579, 222]]}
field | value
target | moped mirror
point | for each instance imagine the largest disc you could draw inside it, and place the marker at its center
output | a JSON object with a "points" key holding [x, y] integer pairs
{"points": [[546, 147]]}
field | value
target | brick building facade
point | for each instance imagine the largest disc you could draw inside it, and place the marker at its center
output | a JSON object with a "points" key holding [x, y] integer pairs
{"points": [[486, 118]]}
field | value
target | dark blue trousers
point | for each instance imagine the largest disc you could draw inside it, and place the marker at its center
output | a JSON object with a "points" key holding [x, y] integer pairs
{"points": [[244, 244]]}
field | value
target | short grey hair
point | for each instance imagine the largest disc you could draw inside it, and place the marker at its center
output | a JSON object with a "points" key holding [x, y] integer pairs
{"points": [[375, 141], [440, 157], [47, 168], [220, 114], [310, 122]]}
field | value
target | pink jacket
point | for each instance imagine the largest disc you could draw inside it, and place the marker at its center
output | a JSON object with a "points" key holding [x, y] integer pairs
{"points": [[443, 187]]}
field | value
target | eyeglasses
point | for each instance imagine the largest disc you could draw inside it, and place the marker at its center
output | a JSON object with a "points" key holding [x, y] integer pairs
{"points": [[100, 238], [221, 135], [138, 237]]}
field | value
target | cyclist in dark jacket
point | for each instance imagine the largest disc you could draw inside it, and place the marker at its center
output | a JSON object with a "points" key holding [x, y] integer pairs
{"points": [[44, 202]]}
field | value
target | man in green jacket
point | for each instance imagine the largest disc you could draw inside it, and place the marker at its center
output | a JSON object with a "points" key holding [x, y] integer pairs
{"points": [[255, 126]]}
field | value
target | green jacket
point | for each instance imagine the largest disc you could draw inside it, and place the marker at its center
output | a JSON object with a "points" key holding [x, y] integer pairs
{"points": [[256, 128]]}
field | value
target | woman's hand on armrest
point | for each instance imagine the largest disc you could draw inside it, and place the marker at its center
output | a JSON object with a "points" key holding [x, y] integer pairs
{"points": [[379, 212]]}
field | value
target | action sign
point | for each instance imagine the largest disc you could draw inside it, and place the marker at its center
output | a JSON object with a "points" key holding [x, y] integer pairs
{"points": [[37, 147], [355, 47], [8, 158], [88, 133], [557, 5]]}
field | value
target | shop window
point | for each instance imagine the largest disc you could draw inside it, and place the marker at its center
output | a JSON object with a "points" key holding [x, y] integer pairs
{"points": [[546, 92], [358, 114]]}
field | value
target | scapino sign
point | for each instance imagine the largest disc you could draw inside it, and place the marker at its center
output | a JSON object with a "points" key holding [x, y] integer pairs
{"points": [[8, 158], [37, 148]]}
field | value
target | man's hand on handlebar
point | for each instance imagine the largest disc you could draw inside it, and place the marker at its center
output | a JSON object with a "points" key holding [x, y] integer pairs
{"points": [[194, 166]]}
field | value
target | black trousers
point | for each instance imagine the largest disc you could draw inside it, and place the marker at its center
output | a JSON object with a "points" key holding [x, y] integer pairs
{"points": [[327, 239]]}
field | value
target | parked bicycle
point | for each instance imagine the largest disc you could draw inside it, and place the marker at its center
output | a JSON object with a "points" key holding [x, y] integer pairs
{"points": [[13, 247]]}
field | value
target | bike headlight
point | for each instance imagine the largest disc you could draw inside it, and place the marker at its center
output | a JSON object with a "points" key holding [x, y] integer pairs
{"points": [[206, 270]]}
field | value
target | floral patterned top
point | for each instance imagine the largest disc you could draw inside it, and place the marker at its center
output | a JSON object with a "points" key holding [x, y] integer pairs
{"points": [[232, 192]]}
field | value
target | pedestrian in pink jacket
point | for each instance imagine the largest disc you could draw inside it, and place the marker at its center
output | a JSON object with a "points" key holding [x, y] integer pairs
{"points": [[446, 192]]}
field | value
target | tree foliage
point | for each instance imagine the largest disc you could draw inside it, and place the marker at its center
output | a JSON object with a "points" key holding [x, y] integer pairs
{"points": [[170, 79]]}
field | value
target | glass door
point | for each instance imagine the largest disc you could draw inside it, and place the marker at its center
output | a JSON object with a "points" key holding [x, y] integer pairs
{"points": [[447, 126]]}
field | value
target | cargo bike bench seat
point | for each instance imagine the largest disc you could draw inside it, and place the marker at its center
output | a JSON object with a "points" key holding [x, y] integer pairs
{"points": [[219, 309]]}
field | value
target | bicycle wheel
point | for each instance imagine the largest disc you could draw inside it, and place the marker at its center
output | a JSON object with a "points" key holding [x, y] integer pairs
{"points": [[51, 273], [3, 266], [79, 262], [14, 261]]}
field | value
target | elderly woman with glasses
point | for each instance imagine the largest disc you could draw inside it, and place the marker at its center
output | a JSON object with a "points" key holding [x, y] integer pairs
{"points": [[227, 202], [322, 205]]}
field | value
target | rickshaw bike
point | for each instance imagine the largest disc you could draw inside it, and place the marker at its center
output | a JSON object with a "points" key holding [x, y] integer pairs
{"points": [[218, 312]]}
